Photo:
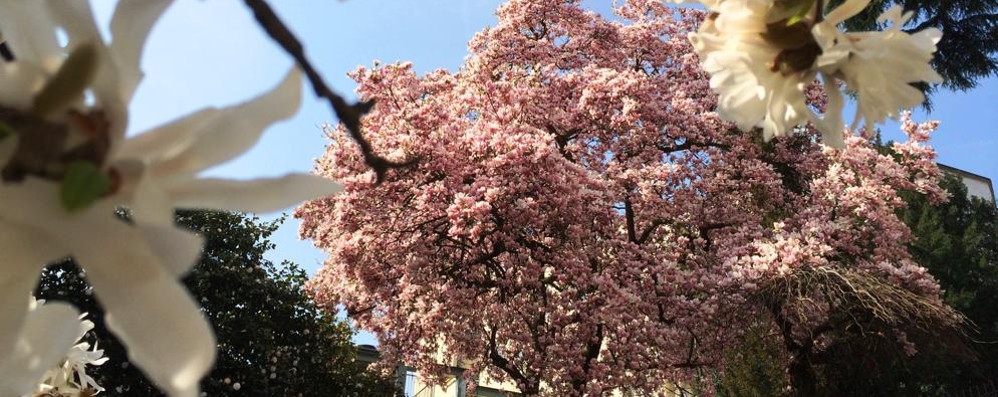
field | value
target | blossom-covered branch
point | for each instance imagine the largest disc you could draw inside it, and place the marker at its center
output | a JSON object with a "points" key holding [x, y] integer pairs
{"points": [[582, 219]]}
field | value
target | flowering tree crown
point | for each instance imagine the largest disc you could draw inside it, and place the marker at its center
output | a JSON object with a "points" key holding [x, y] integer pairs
{"points": [[581, 217]]}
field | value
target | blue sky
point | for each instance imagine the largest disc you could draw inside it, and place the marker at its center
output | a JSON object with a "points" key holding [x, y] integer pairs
{"points": [[211, 53]]}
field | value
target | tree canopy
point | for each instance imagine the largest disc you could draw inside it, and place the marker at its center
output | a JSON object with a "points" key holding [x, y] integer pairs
{"points": [[581, 220], [956, 242]]}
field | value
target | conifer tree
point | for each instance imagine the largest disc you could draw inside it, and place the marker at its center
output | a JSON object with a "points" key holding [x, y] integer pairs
{"points": [[958, 243], [968, 51]]}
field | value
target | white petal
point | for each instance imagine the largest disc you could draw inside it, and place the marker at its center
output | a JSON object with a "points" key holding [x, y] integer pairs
{"points": [[260, 195], [130, 26], [237, 128], [24, 244], [150, 203], [49, 332], [846, 10], [895, 15], [832, 126], [149, 310], [85, 326], [34, 203], [19, 81], [180, 249], [17, 280], [167, 140], [76, 17], [30, 32], [25, 253], [834, 44]]}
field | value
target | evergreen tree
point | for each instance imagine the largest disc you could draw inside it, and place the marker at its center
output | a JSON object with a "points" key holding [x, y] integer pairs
{"points": [[969, 47], [958, 243], [271, 339]]}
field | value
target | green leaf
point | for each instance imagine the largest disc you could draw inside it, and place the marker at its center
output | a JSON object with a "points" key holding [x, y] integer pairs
{"points": [[797, 17], [793, 11], [83, 184]]}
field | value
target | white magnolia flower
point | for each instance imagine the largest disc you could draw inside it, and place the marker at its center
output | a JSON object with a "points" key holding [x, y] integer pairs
{"points": [[160, 168], [753, 91], [878, 66], [146, 307], [70, 377], [67, 166], [761, 54], [42, 333]]}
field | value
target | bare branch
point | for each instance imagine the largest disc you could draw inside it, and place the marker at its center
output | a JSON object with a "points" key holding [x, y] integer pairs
{"points": [[348, 114]]}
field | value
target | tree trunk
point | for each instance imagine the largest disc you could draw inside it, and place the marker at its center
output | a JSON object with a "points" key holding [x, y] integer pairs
{"points": [[803, 378]]}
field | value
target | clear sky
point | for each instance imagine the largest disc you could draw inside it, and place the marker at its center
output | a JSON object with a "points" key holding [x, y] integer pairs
{"points": [[212, 53]]}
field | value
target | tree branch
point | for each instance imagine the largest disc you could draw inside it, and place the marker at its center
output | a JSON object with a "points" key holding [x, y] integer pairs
{"points": [[348, 114], [593, 348], [646, 234], [530, 387], [688, 145], [5, 52], [629, 215]]}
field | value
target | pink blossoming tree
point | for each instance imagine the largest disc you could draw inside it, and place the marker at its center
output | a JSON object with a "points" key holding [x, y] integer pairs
{"points": [[579, 219]]}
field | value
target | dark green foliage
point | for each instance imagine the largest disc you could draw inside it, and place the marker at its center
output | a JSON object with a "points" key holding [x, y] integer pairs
{"points": [[264, 321], [969, 47], [873, 363], [958, 243]]}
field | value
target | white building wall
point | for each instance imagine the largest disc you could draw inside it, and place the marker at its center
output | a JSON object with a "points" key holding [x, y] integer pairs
{"points": [[979, 187]]}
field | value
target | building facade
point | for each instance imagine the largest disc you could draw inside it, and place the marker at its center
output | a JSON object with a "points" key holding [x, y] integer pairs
{"points": [[977, 185]]}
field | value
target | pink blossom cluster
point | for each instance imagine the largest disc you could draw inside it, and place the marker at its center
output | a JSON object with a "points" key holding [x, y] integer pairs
{"points": [[579, 219]]}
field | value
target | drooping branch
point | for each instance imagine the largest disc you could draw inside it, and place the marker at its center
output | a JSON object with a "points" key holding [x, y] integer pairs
{"points": [[349, 114], [861, 298]]}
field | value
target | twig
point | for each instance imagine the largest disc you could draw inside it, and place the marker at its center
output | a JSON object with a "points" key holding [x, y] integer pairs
{"points": [[348, 114]]}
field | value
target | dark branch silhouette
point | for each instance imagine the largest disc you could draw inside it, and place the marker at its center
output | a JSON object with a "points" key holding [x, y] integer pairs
{"points": [[349, 114], [5, 52]]}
